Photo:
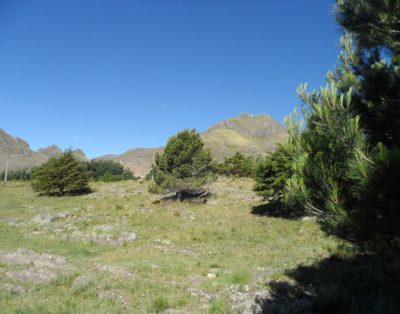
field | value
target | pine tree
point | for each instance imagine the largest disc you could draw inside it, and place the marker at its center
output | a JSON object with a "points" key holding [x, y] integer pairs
{"points": [[62, 175], [346, 159], [238, 165], [185, 165], [271, 175]]}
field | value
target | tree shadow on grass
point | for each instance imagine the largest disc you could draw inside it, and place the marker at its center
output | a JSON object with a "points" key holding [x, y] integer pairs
{"points": [[277, 210], [358, 284]]}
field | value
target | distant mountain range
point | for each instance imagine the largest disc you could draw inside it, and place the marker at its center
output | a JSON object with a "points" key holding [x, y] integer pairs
{"points": [[250, 134], [21, 156]]}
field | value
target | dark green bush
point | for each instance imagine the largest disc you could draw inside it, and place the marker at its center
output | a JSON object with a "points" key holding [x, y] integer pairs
{"points": [[62, 175], [271, 174], [17, 175], [238, 165], [108, 171]]}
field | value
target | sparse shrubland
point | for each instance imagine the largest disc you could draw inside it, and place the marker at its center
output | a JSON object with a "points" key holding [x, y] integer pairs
{"points": [[118, 250], [92, 266]]}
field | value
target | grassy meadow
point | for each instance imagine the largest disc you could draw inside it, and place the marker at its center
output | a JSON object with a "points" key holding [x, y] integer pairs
{"points": [[117, 250]]}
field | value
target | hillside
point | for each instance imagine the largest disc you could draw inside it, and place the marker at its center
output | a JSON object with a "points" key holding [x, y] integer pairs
{"points": [[249, 134], [138, 160], [21, 156]]}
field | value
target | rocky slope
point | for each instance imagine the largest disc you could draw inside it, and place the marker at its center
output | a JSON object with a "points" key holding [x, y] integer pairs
{"points": [[21, 156], [250, 134]]}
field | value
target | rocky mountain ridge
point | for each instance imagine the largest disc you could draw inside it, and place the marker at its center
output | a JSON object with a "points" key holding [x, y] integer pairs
{"points": [[21, 156], [250, 134]]}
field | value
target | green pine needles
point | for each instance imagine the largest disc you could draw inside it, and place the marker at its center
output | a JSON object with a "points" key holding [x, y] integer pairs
{"points": [[59, 176], [238, 165], [185, 165], [344, 165]]}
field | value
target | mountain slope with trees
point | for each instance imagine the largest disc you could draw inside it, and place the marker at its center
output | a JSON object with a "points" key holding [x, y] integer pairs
{"points": [[251, 135]]}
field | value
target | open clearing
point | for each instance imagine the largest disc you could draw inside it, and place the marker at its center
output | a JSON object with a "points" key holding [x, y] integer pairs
{"points": [[116, 251]]}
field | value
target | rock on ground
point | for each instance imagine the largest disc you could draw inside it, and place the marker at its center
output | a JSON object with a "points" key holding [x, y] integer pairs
{"points": [[117, 271], [114, 295], [81, 283], [40, 267]]}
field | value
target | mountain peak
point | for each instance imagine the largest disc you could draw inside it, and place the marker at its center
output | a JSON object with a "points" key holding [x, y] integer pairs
{"points": [[51, 151], [10, 145], [20, 156], [252, 126]]}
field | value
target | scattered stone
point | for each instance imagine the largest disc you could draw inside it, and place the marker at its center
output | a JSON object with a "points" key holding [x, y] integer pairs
{"points": [[14, 289], [167, 247], [104, 238], [81, 283], [197, 280], [12, 221], [43, 219], [108, 227], [200, 293], [211, 276], [237, 298], [127, 237], [36, 275], [257, 304], [43, 267], [118, 271], [114, 295], [28, 257], [162, 242], [264, 303]]}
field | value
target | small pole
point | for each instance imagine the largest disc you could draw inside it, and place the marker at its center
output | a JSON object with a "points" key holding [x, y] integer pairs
{"points": [[5, 176]]}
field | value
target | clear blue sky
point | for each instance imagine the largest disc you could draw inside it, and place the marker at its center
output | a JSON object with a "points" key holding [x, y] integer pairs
{"points": [[107, 76]]}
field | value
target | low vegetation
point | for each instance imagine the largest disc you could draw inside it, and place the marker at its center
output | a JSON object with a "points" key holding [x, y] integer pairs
{"points": [[16, 175], [108, 171]]}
